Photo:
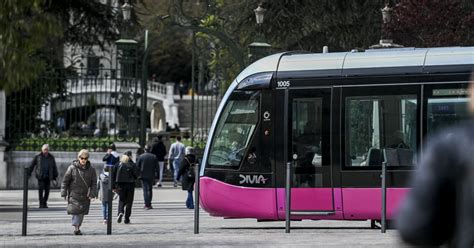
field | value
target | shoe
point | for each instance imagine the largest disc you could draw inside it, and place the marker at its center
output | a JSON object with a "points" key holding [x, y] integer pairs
{"points": [[127, 221], [119, 218], [77, 232], [146, 208], [150, 207], [104, 222], [159, 185]]}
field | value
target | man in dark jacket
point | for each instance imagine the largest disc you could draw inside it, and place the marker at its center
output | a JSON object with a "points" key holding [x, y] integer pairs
{"points": [[148, 167], [439, 208], [158, 148], [111, 158], [45, 169]]}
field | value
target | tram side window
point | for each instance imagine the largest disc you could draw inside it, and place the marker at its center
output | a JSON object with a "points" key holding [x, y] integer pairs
{"points": [[234, 130], [444, 109], [375, 123]]}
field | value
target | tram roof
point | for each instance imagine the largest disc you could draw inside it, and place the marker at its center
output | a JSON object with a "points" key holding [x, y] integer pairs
{"points": [[370, 62]]}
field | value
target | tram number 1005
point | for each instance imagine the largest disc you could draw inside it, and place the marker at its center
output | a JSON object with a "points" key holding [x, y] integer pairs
{"points": [[283, 84]]}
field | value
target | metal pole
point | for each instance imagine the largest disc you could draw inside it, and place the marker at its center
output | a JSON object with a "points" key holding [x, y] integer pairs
{"points": [[109, 203], [196, 200], [288, 198], [192, 86], [384, 194], [25, 201], [144, 93]]}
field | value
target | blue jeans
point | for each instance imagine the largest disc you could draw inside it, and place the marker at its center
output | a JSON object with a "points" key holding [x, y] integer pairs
{"points": [[147, 185], [105, 209], [189, 200], [176, 165]]}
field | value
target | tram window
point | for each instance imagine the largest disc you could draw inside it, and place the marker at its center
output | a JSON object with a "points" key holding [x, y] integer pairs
{"points": [[443, 112], [234, 130], [375, 123]]}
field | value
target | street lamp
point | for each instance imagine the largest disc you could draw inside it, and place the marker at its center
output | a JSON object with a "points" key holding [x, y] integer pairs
{"points": [[259, 14], [259, 49], [126, 11], [386, 14], [386, 39]]}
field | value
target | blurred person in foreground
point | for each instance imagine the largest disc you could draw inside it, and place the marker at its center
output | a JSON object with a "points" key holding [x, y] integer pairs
{"points": [[439, 210]]}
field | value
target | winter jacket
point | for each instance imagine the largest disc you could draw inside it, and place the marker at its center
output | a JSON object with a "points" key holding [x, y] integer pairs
{"points": [[188, 164], [103, 186], [112, 158], [124, 173], [78, 190], [439, 208], [148, 166], [36, 166], [159, 149]]}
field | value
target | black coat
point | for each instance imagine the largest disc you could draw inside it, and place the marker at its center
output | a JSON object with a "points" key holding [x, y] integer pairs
{"points": [[36, 166], [148, 166], [187, 183], [440, 207], [124, 173], [159, 150]]}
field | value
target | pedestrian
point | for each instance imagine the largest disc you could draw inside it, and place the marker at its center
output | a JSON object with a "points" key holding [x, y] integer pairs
{"points": [[124, 176], [439, 208], [45, 169], [176, 158], [79, 186], [112, 157], [187, 172], [148, 167], [103, 185], [158, 148], [182, 89]]}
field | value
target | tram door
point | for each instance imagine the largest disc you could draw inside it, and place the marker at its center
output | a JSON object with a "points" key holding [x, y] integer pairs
{"points": [[309, 117]]}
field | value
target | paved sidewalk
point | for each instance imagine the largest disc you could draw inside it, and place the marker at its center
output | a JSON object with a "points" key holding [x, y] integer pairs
{"points": [[170, 224]]}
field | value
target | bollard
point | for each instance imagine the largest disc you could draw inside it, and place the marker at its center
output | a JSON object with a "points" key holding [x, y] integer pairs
{"points": [[196, 199], [109, 204], [25, 201], [384, 194], [288, 198]]}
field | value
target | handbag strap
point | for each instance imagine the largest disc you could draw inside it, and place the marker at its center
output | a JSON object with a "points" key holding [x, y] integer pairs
{"points": [[82, 178]]}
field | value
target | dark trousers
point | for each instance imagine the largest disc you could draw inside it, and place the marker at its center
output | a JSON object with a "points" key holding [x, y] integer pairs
{"points": [[43, 190], [126, 193], [147, 185]]}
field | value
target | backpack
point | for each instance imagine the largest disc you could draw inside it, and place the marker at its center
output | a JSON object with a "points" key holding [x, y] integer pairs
{"points": [[105, 179]]}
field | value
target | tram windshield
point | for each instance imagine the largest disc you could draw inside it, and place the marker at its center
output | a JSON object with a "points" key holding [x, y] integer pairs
{"points": [[234, 129]]}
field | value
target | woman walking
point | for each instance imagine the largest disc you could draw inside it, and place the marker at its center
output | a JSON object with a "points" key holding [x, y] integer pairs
{"points": [[187, 172], [79, 186], [124, 176]]}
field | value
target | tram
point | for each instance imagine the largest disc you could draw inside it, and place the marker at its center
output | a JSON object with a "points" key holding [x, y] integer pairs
{"points": [[332, 115]]}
